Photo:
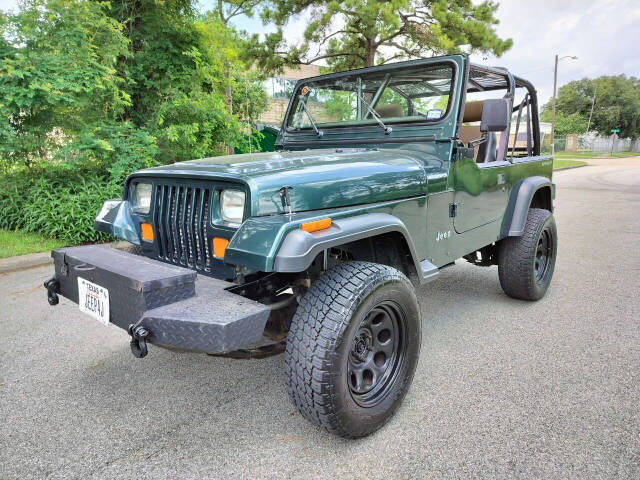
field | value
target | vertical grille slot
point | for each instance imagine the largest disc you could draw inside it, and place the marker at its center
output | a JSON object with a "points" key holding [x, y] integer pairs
{"points": [[181, 218]]}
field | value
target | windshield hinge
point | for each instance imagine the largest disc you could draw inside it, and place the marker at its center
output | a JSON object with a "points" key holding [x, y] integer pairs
{"points": [[460, 151], [453, 209]]}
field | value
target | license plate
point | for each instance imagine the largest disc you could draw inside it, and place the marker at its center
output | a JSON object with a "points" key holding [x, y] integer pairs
{"points": [[93, 300]]}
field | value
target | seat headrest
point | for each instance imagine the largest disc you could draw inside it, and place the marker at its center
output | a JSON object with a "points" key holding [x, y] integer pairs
{"points": [[472, 112], [391, 110]]}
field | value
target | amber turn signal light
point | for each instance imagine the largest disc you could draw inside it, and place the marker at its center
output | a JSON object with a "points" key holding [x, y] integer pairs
{"points": [[147, 232], [219, 246], [316, 225]]}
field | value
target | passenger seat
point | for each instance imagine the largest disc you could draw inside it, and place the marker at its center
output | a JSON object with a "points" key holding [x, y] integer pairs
{"points": [[389, 111]]}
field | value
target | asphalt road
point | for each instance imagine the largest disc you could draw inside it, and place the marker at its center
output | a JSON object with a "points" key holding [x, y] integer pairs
{"points": [[504, 388]]}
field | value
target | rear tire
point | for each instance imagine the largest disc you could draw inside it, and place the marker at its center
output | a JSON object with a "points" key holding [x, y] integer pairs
{"points": [[353, 347], [526, 263]]}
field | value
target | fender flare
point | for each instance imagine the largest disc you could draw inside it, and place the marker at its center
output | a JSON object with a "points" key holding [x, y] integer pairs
{"points": [[299, 248], [520, 198]]}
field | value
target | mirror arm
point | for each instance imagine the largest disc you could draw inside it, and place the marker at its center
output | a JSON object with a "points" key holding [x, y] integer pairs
{"points": [[476, 142]]}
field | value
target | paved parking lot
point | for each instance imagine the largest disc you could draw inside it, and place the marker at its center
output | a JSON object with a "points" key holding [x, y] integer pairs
{"points": [[504, 388]]}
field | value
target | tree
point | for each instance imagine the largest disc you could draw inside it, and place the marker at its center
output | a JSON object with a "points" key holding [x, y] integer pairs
{"points": [[80, 78], [182, 72], [567, 124], [58, 76], [225, 10], [229, 9], [356, 33], [197, 119], [91, 91], [617, 104]]}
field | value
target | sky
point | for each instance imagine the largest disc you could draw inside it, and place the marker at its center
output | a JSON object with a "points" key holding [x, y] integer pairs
{"points": [[603, 34]]}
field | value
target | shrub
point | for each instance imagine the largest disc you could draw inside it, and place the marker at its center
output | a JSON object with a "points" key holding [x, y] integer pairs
{"points": [[92, 90], [64, 207], [60, 199]]}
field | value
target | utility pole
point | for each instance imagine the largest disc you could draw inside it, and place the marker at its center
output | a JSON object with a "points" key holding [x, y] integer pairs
{"points": [[613, 143], [593, 102], [553, 100], [553, 107]]}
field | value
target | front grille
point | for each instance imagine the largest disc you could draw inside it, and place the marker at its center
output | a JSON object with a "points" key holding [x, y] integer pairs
{"points": [[181, 217]]}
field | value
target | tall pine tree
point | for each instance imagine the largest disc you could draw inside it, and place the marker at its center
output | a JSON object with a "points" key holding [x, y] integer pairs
{"points": [[357, 33]]}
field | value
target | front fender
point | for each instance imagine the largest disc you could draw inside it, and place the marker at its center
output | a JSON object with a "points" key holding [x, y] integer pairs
{"points": [[300, 248], [278, 244]]}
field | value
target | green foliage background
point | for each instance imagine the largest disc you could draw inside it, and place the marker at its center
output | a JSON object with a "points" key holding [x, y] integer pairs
{"points": [[617, 106], [358, 33], [93, 90]]}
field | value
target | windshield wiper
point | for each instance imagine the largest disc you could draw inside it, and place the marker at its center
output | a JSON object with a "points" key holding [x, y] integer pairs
{"points": [[374, 114], [303, 103]]}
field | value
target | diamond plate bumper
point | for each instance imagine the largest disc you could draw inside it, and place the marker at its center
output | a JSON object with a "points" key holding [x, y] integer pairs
{"points": [[177, 307]]}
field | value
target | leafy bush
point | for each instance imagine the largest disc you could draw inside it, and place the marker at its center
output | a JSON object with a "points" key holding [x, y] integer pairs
{"points": [[55, 203], [61, 198], [93, 90], [64, 207], [13, 190]]}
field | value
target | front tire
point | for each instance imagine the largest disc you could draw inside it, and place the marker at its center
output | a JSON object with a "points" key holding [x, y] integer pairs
{"points": [[353, 347], [526, 263]]}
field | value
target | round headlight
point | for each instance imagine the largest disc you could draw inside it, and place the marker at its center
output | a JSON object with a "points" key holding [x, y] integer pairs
{"points": [[142, 198], [232, 206]]}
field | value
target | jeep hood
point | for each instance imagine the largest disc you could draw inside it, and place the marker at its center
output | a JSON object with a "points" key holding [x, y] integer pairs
{"points": [[319, 178]]}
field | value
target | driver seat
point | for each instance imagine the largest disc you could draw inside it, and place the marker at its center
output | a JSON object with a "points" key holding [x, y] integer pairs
{"points": [[486, 151]]}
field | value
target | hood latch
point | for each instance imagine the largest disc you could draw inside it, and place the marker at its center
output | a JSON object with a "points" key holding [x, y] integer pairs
{"points": [[286, 198]]}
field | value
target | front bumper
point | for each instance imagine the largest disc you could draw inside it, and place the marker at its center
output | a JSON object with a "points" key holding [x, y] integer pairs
{"points": [[161, 304]]}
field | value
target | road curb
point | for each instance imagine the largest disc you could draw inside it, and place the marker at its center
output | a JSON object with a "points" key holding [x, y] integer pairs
{"points": [[33, 260], [569, 167]]}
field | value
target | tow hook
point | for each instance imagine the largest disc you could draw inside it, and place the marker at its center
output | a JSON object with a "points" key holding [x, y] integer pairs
{"points": [[138, 343], [53, 287]]}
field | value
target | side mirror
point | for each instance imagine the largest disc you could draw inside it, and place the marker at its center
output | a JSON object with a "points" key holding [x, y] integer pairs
{"points": [[495, 115]]}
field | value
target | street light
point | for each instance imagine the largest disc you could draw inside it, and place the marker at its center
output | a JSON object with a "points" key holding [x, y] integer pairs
{"points": [[553, 101]]}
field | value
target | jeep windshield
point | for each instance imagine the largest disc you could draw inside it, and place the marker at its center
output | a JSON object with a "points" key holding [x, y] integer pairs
{"points": [[405, 95]]}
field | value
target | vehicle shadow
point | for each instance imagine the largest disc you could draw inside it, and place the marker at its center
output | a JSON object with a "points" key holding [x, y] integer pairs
{"points": [[187, 409]]}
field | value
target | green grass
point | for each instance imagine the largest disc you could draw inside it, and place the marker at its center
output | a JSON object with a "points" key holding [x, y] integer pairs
{"points": [[625, 154], [20, 243], [561, 163], [575, 155], [592, 155]]}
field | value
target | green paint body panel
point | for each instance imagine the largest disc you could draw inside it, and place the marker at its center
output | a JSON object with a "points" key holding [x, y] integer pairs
{"points": [[415, 177], [320, 178]]}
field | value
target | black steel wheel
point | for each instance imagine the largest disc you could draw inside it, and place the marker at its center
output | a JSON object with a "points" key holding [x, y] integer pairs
{"points": [[544, 254], [526, 263], [353, 347], [377, 350]]}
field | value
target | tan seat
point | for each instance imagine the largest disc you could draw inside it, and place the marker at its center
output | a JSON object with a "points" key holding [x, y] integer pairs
{"points": [[472, 113], [391, 110], [469, 133], [485, 152]]}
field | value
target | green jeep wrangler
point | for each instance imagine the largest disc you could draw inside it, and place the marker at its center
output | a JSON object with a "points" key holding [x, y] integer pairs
{"points": [[381, 177]]}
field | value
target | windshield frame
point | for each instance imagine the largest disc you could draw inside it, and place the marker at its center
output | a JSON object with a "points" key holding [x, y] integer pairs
{"points": [[370, 121]]}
